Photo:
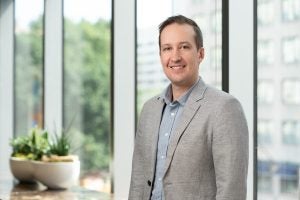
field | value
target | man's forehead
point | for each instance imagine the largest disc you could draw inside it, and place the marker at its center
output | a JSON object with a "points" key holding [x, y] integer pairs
{"points": [[178, 29]]}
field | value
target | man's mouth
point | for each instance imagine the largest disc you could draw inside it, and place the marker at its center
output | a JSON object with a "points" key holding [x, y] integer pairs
{"points": [[177, 66]]}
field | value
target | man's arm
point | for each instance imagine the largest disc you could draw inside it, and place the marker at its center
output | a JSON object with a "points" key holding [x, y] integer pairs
{"points": [[230, 151], [137, 174]]}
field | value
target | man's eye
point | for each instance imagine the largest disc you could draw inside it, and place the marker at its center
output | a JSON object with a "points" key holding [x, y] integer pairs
{"points": [[185, 47], [167, 49]]}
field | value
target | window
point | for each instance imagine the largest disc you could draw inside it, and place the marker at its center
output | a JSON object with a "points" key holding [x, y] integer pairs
{"points": [[266, 12], [197, 1], [291, 132], [216, 21], [290, 10], [150, 77], [215, 63], [264, 183], [278, 74], [264, 180], [291, 91], [265, 52], [87, 69], [265, 91], [29, 78], [289, 178], [289, 184], [291, 50], [265, 132]]}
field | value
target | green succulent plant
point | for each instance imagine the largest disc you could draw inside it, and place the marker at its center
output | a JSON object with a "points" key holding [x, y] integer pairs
{"points": [[38, 146], [40, 143], [22, 147], [32, 146], [60, 145]]}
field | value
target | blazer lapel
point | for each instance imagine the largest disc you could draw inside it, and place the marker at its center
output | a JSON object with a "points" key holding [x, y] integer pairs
{"points": [[190, 109]]}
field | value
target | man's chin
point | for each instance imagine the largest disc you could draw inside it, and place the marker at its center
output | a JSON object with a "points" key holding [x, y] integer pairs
{"points": [[182, 82], [179, 82]]}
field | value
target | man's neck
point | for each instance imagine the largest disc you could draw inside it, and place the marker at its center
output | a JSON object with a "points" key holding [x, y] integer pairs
{"points": [[178, 91]]}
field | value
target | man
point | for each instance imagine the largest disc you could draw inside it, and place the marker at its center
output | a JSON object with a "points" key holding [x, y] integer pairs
{"points": [[192, 140]]}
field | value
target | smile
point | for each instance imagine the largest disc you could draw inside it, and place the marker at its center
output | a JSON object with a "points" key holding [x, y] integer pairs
{"points": [[177, 66]]}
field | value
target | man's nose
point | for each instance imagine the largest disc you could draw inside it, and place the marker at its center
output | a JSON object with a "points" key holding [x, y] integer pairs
{"points": [[176, 56]]}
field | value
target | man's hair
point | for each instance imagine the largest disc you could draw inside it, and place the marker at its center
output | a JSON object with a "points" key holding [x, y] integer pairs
{"points": [[180, 19]]}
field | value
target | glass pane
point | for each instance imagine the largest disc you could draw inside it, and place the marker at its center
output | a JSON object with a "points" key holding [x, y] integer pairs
{"points": [[290, 10], [208, 14], [278, 97], [28, 65], [87, 69]]}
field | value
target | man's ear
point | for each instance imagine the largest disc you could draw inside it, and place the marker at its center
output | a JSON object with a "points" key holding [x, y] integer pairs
{"points": [[201, 54]]}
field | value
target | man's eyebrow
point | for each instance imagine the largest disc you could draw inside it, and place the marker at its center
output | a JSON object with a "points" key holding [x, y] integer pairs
{"points": [[185, 42], [180, 43]]}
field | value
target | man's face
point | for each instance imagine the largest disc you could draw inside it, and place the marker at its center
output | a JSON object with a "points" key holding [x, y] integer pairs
{"points": [[179, 55]]}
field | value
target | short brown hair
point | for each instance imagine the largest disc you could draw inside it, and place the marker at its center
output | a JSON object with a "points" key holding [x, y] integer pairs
{"points": [[180, 19]]}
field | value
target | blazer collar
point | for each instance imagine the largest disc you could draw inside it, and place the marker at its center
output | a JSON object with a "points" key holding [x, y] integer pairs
{"points": [[197, 92]]}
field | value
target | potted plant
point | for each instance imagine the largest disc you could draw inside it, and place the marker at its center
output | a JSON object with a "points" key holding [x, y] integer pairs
{"points": [[57, 169], [59, 150], [26, 148]]}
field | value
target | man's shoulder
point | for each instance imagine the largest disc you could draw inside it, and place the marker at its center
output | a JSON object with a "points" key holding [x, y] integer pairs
{"points": [[220, 98], [209, 93], [212, 92], [150, 107], [152, 100]]}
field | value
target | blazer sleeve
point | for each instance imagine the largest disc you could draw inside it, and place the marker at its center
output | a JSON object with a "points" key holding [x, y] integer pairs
{"points": [[230, 151], [137, 182]]}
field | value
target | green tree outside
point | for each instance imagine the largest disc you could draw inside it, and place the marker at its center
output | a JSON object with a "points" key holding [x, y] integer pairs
{"points": [[87, 102], [87, 90]]}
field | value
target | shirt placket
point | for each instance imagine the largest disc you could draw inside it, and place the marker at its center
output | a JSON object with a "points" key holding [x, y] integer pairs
{"points": [[164, 137]]}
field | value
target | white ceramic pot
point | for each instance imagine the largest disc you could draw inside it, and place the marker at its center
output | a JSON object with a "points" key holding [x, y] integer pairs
{"points": [[57, 175], [21, 169]]}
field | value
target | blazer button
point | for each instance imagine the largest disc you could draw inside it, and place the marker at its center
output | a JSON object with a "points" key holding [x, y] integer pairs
{"points": [[149, 182]]}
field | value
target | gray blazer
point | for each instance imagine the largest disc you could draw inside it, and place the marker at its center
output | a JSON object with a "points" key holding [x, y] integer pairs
{"points": [[207, 157]]}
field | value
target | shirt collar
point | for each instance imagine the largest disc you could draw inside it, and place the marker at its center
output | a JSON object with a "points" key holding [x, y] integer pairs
{"points": [[167, 95]]}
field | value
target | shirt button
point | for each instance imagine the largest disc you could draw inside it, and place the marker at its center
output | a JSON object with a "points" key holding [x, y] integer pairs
{"points": [[166, 134], [159, 179], [149, 182], [172, 114], [162, 157]]}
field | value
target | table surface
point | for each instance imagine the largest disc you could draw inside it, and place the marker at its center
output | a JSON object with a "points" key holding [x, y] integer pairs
{"points": [[13, 190]]}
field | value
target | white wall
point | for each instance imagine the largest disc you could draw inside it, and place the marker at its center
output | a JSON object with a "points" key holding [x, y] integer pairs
{"points": [[124, 104], [53, 65], [6, 84]]}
